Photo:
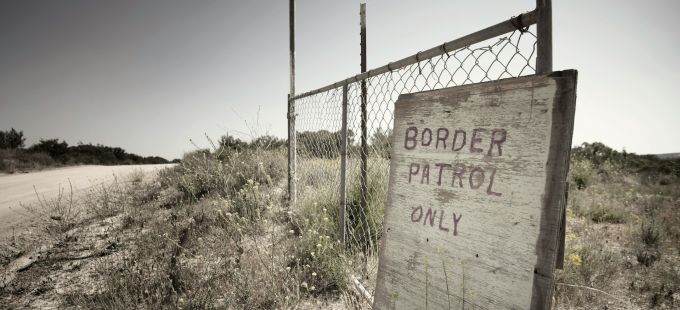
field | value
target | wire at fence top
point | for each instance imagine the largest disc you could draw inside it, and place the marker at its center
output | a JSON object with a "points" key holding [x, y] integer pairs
{"points": [[526, 19]]}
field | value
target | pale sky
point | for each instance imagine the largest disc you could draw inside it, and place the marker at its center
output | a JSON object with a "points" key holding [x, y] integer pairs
{"points": [[149, 75]]}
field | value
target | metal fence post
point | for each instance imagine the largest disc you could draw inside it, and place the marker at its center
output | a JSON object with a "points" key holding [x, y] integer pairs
{"points": [[364, 133], [544, 34], [342, 227], [292, 154], [544, 65], [292, 137]]}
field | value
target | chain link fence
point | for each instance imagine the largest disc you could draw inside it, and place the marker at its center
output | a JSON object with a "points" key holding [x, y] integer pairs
{"points": [[356, 174]]}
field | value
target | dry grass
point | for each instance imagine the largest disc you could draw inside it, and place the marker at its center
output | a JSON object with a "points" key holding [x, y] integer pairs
{"points": [[19, 160], [214, 232], [623, 246]]}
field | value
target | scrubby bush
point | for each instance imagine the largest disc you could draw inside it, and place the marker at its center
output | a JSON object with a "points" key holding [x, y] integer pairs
{"points": [[58, 214], [267, 142], [649, 234], [604, 214], [250, 202], [242, 185], [11, 139], [365, 222], [15, 160], [230, 143], [322, 143], [622, 231], [317, 256], [55, 152], [595, 153], [198, 175], [588, 263], [581, 173], [38, 159], [598, 154], [203, 173], [380, 142]]}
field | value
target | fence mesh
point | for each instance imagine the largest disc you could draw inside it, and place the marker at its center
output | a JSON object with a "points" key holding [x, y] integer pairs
{"points": [[319, 133]]}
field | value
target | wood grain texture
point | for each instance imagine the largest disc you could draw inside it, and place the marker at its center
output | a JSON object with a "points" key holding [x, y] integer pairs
{"points": [[474, 224]]}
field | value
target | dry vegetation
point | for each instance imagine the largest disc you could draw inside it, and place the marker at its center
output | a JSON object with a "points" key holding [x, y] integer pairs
{"points": [[213, 232], [48, 153], [623, 233]]}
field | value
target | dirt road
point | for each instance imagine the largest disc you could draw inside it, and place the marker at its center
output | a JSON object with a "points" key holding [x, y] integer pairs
{"points": [[16, 189]]}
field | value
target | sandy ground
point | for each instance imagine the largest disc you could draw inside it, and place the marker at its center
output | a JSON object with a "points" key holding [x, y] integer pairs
{"points": [[17, 189]]}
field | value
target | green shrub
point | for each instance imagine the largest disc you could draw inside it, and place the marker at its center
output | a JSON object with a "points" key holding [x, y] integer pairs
{"points": [[267, 142], [581, 173], [317, 217], [588, 262], [38, 160], [11, 139], [604, 214], [12, 160], [647, 256], [251, 201], [365, 223], [649, 233], [321, 143], [317, 255], [203, 173], [199, 174], [380, 142]]}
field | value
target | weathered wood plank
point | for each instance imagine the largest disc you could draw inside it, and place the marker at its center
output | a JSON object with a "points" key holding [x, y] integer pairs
{"points": [[476, 195]]}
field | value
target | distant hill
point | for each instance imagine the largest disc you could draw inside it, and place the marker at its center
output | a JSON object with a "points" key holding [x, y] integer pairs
{"points": [[668, 156]]}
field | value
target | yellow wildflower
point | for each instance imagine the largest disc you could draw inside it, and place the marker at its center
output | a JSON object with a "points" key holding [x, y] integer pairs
{"points": [[575, 259], [571, 237]]}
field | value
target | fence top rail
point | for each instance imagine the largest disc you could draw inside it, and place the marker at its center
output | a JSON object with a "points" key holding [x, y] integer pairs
{"points": [[522, 20]]}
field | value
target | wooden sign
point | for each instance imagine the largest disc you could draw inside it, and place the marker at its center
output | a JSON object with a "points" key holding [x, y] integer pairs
{"points": [[476, 194]]}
